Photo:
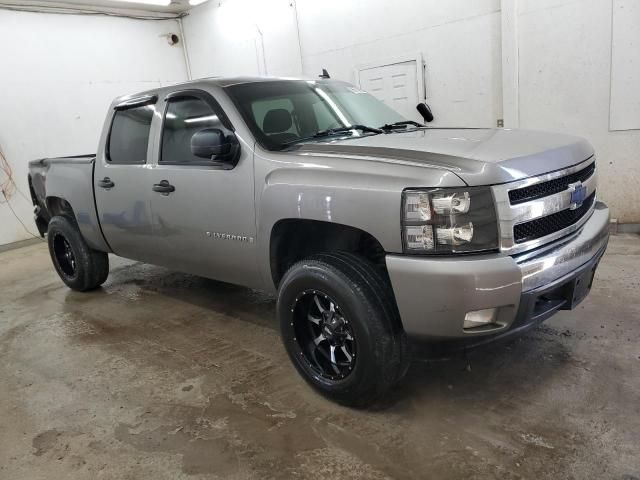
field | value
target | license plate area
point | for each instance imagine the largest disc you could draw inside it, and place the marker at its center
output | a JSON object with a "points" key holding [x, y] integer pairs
{"points": [[581, 287], [568, 295]]}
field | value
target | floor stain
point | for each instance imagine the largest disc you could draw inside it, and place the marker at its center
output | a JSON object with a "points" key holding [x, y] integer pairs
{"points": [[169, 376]]}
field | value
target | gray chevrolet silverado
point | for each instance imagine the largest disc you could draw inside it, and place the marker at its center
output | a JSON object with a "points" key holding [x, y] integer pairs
{"points": [[376, 232]]}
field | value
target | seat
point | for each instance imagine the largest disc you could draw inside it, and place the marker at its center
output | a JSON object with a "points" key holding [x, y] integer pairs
{"points": [[276, 123]]}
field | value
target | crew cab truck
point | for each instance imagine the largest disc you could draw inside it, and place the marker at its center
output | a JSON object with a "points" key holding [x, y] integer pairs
{"points": [[375, 231]]}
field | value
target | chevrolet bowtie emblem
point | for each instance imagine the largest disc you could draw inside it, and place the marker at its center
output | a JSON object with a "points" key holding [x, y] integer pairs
{"points": [[578, 194]]}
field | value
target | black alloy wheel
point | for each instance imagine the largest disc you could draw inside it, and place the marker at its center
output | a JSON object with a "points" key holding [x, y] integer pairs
{"points": [[340, 327], [78, 266], [325, 338], [64, 255]]}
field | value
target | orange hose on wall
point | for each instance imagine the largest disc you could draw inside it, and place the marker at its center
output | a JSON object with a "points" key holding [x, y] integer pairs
{"points": [[7, 184]]}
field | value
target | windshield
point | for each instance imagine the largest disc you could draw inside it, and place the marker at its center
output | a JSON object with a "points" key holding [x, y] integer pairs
{"points": [[282, 112]]}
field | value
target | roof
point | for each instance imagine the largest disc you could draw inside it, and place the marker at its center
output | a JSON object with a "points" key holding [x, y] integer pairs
{"points": [[228, 81], [217, 81]]}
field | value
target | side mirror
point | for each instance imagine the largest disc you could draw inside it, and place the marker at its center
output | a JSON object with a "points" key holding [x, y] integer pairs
{"points": [[211, 143], [425, 112]]}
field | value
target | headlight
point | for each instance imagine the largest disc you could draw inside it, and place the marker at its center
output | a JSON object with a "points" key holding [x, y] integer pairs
{"points": [[448, 220]]}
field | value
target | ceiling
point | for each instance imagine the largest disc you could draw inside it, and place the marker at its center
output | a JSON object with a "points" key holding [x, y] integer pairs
{"points": [[176, 6]]}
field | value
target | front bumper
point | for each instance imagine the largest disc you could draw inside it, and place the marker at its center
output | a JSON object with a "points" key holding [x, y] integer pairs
{"points": [[435, 294]]}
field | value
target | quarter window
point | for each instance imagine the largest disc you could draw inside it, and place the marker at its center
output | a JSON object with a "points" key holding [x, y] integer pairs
{"points": [[129, 137], [185, 116]]}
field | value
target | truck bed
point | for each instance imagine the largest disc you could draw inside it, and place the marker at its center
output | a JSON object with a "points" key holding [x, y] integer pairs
{"points": [[57, 183], [38, 170]]}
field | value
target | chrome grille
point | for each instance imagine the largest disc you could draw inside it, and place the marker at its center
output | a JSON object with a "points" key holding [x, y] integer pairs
{"points": [[544, 226], [539, 210], [544, 189]]}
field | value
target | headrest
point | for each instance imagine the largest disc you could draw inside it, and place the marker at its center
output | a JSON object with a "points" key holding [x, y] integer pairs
{"points": [[277, 121]]}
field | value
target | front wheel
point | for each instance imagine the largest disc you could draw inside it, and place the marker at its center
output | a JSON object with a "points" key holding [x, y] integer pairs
{"points": [[340, 327], [79, 267]]}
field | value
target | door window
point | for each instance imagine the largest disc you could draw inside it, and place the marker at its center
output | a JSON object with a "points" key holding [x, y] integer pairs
{"points": [[185, 116], [129, 137]]}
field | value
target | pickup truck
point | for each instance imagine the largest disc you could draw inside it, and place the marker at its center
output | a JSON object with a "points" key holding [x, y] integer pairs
{"points": [[377, 233]]}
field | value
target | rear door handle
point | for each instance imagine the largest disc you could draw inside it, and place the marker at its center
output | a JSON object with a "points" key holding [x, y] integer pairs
{"points": [[163, 187], [106, 183]]}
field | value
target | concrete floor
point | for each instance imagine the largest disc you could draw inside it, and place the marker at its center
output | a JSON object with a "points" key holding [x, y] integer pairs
{"points": [[165, 376]]}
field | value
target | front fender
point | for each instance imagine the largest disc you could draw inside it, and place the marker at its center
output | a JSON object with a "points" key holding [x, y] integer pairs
{"points": [[368, 201]]}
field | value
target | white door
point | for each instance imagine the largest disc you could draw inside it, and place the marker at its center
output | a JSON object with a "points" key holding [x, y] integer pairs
{"points": [[396, 85]]}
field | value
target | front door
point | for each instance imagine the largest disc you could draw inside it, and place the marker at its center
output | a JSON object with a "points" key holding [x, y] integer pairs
{"points": [[119, 178], [202, 210]]}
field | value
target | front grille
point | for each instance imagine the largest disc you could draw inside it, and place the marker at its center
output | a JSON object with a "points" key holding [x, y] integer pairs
{"points": [[551, 187], [544, 226]]}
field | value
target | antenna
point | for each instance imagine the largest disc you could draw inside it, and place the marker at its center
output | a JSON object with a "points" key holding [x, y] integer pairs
{"points": [[325, 74]]}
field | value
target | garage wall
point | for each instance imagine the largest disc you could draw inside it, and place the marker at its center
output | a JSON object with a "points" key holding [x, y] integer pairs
{"points": [[624, 110], [58, 75], [459, 41], [554, 74], [541, 64], [243, 37], [565, 68]]}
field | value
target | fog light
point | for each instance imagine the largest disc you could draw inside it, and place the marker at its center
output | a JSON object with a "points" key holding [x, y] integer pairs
{"points": [[480, 318]]}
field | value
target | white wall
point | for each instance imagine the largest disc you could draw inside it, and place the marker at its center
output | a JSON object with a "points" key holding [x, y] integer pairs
{"points": [[458, 39], [541, 64], [243, 37], [624, 110], [60, 72], [564, 85], [57, 77]]}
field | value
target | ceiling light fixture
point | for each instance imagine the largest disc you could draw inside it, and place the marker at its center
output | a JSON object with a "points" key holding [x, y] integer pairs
{"points": [[161, 3]]}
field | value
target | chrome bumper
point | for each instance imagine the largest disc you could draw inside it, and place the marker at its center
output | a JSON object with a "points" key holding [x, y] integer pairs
{"points": [[434, 294], [550, 263]]}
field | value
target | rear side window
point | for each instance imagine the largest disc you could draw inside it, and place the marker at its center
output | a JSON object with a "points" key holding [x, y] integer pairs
{"points": [[185, 116], [129, 136]]}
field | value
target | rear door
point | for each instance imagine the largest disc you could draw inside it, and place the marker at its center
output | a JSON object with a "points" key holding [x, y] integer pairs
{"points": [[120, 177], [204, 220]]}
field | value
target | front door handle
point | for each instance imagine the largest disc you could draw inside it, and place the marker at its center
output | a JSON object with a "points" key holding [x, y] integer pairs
{"points": [[163, 187], [106, 183]]}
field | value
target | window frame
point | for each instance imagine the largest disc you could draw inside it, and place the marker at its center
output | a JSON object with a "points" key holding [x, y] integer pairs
{"points": [[210, 100], [130, 104]]}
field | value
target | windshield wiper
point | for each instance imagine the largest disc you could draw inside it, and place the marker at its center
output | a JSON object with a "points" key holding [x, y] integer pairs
{"points": [[331, 131], [335, 131], [397, 125]]}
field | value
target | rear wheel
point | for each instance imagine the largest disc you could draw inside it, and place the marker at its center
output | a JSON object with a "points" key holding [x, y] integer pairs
{"points": [[341, 329], [79, 267]]}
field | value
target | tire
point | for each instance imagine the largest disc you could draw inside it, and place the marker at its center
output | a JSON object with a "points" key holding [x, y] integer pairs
{"points": [[79, 267], [322, 302]]}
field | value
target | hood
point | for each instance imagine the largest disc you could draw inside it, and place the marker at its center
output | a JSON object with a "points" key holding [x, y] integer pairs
{"points": [[477, 156]]}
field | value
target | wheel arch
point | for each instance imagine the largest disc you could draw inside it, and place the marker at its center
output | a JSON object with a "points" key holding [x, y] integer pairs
{"points": [[60, 206], [292, 239]]}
